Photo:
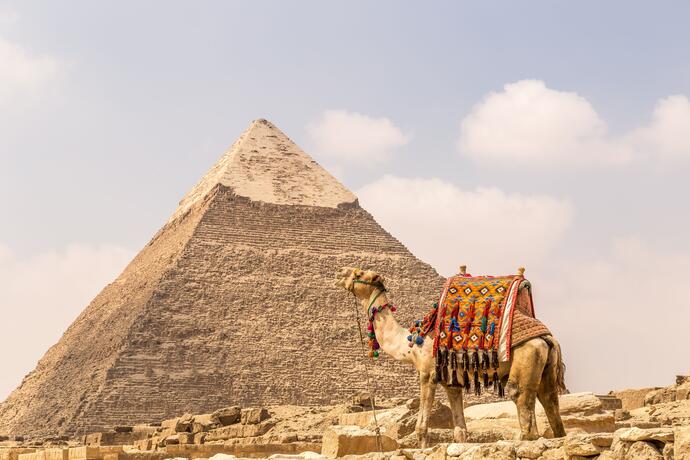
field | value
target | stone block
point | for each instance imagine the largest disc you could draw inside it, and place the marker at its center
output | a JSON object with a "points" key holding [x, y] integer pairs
{"points": [[38, 455], [586, 445], [683, 391], [642, 450], [632, 398], [172, 439], [339, 440], [649, 434], [681, 443], [662, 395], [12, 453], [149, 430], [204, 422], [253, 416], [238, 431], [227, 415], [192, 451], [144, 444], [92, 452], [362, 398], [131, 455], [185, 438], [56, 453], [115, 438], [184, 423], [169, 423]]}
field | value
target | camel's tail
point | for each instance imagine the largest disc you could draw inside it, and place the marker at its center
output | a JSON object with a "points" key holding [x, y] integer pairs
{"points": [[555, 364]]}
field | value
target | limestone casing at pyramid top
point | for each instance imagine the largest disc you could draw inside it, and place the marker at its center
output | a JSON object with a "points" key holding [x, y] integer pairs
{"points": [[265, 165]]}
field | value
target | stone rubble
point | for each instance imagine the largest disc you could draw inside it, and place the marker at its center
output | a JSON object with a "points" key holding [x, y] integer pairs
{"points": [[598, 427]]}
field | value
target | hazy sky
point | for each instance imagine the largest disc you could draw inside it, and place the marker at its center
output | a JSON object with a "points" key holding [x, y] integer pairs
{"points": [[549, 134]]}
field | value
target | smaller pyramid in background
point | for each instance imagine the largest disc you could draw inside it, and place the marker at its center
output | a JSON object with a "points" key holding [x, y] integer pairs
{"points": [[231, 302]]}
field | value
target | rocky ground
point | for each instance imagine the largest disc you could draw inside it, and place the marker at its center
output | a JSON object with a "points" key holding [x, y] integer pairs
{"points": [[649, 423]]}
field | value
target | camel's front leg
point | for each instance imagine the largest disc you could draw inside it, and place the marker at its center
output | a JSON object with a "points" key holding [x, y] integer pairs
{"points": [[458, 409], [427, 391]]}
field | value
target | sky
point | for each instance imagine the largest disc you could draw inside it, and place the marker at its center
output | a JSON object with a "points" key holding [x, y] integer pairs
{"points": [[547, 134]]}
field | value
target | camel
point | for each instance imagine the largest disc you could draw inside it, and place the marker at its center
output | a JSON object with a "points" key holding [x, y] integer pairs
{"points": [[535, 369]]}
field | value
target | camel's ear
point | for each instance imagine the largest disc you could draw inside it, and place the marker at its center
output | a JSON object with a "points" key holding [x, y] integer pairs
{"points": [[378, 279]]}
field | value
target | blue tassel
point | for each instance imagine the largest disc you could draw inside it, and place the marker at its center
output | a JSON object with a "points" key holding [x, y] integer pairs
{"points": [[409, 338], [419, 340], [454, 326]]}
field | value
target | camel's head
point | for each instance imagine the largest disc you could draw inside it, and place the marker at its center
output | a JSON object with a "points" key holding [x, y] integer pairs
{"points": [[360, 282]]}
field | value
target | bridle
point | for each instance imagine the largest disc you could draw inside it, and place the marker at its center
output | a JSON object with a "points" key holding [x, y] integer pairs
{"points": [[378, 285]]}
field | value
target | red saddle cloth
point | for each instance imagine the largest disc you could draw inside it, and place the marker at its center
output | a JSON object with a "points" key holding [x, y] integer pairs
{"points": [[473, 327]]}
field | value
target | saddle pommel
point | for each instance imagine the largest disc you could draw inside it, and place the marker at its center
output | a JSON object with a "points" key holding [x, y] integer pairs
{"points": [[463, 269], [521, 271]]}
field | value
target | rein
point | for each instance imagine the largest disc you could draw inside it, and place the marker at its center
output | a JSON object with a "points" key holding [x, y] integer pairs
{"points": [[381, 290]]}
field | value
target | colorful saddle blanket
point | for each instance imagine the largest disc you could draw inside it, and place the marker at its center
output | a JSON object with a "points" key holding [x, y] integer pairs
{"points": [[473, 326]]}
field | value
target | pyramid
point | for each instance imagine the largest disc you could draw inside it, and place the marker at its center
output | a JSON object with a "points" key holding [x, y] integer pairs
{"points": [[231, 302]]}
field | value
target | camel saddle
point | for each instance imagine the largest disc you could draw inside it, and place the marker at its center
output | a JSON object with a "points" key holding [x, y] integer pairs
{"points": [[476, 323]]}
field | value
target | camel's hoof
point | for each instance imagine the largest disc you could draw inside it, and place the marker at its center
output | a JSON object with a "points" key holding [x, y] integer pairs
{"points": [[529, 436], [459, 434]]}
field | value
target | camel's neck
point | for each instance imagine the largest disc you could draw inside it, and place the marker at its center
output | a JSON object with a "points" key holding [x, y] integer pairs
{"points": [[391, 336]]}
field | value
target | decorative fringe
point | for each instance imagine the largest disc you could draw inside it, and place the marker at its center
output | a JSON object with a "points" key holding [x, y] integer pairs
{"points": [[485, 360], [465, 361], [486, 379], [475, 361], [453, 369], [477, 386], [494, 359], [439, 367], [496, 382], [466, 380]]}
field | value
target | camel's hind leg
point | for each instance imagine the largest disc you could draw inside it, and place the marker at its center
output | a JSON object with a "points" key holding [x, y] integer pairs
{"points": [[526, 370], [549, 389], [458, 409], [427, 391]]}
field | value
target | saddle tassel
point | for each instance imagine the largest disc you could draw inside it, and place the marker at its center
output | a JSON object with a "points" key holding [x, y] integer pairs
{"points": [[438, 365], [465, 361], [475, 361], [495, 382], [486, 379], [494, 359], [466, 380], [477, 386]]}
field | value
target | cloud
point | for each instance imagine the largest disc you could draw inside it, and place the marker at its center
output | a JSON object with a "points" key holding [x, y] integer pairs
{"points": [[489, 230], [351, 136], [530, 123], [23, 73], [668, 134], [41, 296], [621, 317]]}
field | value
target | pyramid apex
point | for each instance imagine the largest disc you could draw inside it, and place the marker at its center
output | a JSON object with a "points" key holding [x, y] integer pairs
{"points": [[265, 165]]}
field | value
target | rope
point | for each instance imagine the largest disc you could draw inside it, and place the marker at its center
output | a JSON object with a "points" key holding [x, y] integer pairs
{"points": [[366, 371]]}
